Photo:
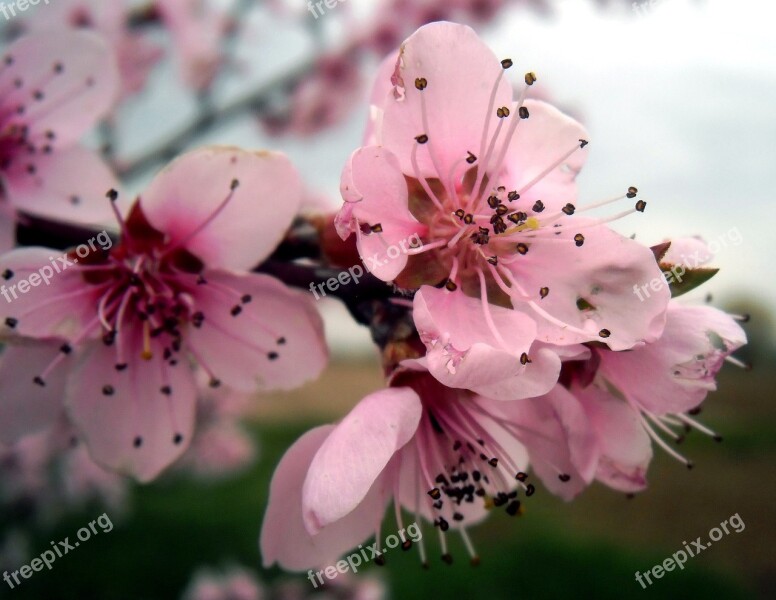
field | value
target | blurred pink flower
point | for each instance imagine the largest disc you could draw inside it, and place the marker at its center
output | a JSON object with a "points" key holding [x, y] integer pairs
{"points": [[54, 87], [321, 100], [197, 28], [440, 453], [130, 319], [221, 445], [135, 53], [51, 473], [234, 584]]}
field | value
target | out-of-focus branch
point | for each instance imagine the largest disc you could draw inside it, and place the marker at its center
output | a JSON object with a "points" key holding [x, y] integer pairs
{"points": [[209, 117]]}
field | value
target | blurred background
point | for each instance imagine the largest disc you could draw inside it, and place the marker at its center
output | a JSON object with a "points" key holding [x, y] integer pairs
{"points": [[679, 97]]}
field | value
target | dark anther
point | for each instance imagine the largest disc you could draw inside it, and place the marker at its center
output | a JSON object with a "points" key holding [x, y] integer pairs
{"points": [[11, 322], [468, 219], [506, 63], [521, 476], [543, 292], [604, 333], [421, 83], [493, 201], [122, 366], [530, 78], [632, 191], [378, 228], [513, 508], [460, 213], [406, 545], [434, 493], [538, 206], [234, 185], [138, 442], [493, 462], [522, 248], [450, 285], [38, 380], [421, 139], [564, 477], [65, 348], [281, 341], [583, 143], [166, 390], [569, 209], [112, 195], [530, 489], [524, 360], [272, 355], [215, 383], [502, 112], [641, 205], [7, 274], [447, 559], [523, 112], [236, 310], [177, 439], [512, 196], [246, 298], [470, 158], [579, 239], [108, 390]]}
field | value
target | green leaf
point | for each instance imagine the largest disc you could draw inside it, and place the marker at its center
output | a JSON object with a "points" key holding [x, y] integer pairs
{"points": [[682, 280]]}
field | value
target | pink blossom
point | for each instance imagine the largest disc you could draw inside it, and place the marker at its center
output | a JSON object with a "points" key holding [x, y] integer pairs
{"points": [[133, 49], [443, 454], [197, 28], [651, 391], [50, 472], [321, 100], [488, 184], [176, 289], [234, 584], [54, 87]]}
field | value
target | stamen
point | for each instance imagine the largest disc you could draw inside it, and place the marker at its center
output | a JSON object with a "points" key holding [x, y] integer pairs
{"points": [[552, 167], [422, 179], [197, 230]]}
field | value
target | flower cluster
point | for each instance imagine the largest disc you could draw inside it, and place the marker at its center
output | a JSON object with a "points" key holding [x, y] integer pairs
{"points": [[513, 344], [529, 348]]}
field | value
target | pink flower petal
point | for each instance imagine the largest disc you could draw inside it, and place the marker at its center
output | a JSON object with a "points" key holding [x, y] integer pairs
{"points": [[356, 453], [274, 342], [67, 185], [626, 449], [539, 142], [559, 437], [32, 307], [604, 272], [24, 406], [244, 231], [464, 352], [284, 537], [461, 72], [136, 421], [375, 194], [69, 80], [675, 373]]}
